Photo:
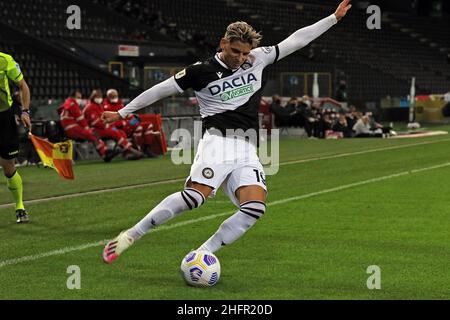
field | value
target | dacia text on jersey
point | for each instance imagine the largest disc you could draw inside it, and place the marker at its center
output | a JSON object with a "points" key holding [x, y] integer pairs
{"points": [[239, 86]]}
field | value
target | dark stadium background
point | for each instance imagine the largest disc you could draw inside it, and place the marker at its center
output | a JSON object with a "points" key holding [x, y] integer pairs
{"points": [[413, 41]]}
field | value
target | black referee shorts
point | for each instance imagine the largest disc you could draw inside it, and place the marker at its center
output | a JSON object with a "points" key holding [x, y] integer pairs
{"points": [[9, 136]]}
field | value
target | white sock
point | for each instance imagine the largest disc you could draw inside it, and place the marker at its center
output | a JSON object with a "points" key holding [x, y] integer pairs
{"points": [[235, 226], [171, 206]]}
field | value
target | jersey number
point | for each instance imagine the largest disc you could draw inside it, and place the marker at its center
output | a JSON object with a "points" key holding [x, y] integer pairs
{"points": [[259, 176]]}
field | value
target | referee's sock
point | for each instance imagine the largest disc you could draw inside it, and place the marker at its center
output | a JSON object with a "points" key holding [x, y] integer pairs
{"points": [[14, 184], [235, 226]]}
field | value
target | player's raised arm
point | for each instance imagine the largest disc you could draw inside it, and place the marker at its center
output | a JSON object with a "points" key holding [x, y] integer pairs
{"points": [[157, 92], [304, 36]]}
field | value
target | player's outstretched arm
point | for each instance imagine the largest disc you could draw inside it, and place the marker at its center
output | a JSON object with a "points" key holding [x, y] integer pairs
{"points": [[304, 36], [157, 92]]}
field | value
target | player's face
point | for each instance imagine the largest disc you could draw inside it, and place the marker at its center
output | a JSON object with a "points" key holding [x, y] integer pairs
{"points": [[234, 53]]}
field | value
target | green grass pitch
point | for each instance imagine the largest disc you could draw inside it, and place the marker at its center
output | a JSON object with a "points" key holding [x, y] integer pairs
{"points": [[334, 209]]}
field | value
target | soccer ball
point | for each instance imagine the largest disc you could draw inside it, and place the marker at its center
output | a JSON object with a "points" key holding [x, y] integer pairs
{"points": [[200, 268]]}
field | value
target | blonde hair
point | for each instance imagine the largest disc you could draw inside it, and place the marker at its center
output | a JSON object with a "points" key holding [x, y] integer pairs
{"points": [[242, 31]]}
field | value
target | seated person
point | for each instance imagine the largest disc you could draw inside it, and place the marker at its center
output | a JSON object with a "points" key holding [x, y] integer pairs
{"points": [[323, 125], [293, 108], [377, 126], [76, 127], [309, 115], [141, 132], [113, 103], [281, 114], [341, 125], [363, 129], [93, 112]]}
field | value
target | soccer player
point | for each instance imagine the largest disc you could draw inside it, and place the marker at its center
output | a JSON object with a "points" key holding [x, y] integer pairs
{"points": [[9, 137], [224, 86]]}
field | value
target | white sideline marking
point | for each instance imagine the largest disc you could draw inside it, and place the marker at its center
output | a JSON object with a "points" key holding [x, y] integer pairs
{"points": [[176, 225], [87, 193], [142, 185], [347, 186], [362, 152]]}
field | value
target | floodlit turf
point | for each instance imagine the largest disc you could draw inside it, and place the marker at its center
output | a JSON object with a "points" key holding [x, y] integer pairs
{"points": [[334, 209]]}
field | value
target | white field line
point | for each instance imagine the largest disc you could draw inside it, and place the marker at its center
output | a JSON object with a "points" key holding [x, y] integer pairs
{"points": [[88, 193], [363, 152], [142, 185], [205, 218]]}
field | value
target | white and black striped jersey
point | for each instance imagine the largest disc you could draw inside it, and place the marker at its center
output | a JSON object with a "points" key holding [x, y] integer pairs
{"points": [[226, 97]]}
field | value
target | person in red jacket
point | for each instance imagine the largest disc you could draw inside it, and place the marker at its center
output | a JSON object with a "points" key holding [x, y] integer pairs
{"points": [[141, 131], [74, 124], [113, 103], [93, 113]]}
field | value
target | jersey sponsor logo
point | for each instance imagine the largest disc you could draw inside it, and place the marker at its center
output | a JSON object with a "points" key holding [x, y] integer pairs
{"points": [[236, 92], [180, 74], [239, 86], [219, 74], [208, 173]]}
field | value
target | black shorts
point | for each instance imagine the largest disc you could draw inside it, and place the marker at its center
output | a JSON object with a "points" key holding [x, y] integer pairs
{"points": [[9, 136]]}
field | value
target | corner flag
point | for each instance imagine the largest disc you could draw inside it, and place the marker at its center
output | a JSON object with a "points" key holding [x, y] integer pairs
{"points": [[55, 155]]}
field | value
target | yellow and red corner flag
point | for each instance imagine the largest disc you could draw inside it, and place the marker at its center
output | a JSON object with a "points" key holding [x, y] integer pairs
{"points": [[55, 155]]}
